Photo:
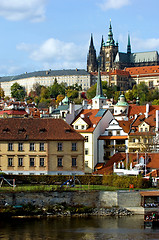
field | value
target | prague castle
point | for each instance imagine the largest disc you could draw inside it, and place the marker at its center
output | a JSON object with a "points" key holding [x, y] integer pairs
{"points": [[111, 58]]}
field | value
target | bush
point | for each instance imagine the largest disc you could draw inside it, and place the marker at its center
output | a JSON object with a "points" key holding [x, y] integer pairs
{"points": [[125, 181]]}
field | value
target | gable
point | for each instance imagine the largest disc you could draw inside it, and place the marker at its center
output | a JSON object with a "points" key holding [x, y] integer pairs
{"points": [[79, 121]]}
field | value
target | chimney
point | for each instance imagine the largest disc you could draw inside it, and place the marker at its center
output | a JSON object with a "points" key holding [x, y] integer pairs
{"points": [[157, 118], [147, 110]]}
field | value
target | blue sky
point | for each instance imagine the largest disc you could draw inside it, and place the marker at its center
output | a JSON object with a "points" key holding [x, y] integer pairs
{"points": [[55, 34]]}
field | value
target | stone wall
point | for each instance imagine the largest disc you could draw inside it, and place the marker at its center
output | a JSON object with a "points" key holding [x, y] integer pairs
{"points": [[91, 199]]}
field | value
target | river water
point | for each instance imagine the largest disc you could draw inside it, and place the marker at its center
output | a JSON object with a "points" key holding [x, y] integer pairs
{"points": [[100, 228]]}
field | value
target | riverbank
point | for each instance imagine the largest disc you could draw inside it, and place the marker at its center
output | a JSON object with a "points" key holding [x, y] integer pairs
{"points": [[31, 211]]}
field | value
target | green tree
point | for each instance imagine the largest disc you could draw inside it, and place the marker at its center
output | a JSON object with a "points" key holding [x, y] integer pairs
{"points": [[17, 91], [44, 93], [155, 102], [72, 93], [129, 95], [56, 89], [91, 92], [1, 93]]}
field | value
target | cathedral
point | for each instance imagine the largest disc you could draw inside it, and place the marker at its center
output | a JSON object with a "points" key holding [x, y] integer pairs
{"points": [[111, 58]]}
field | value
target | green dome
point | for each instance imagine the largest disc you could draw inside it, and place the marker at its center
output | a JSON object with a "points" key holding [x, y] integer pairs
{"points": [[121, 102], [65, 100]]}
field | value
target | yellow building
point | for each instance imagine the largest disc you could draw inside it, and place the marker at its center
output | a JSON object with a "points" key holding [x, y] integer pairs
{"points": [[40, 146]]}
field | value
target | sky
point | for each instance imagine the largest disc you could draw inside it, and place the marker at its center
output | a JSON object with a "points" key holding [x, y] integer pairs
{"points": [[55, 34]]}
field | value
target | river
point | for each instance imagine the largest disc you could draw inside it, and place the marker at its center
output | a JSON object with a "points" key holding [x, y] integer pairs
{"points": [[94, 228]]}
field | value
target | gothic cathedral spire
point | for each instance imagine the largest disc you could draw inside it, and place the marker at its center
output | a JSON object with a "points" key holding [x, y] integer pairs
{"points": [[91, 57], [129, 45]]}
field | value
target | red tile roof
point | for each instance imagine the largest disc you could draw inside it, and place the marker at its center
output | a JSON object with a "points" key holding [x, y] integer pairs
{"points": [[13, 112], [36, 129]]}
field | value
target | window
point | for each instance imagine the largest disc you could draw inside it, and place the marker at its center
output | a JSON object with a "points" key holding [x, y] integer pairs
{"points": [[20, 146], [82, 127], [145, 140], [10, 162], [117, 133], [59, 147], [109, 133], [74, 147], [86, 139], [41, 162], [86, 151], [32, 147], [133, 140], [10, 146], [141, 129], [86, 163], [42, 147], [59, 161], [76, 127], [20, 162], [31, 162], [73, 162], [146, 129]]}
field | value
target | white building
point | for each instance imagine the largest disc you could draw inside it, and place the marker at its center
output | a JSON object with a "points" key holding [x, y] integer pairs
{"points": [[47, 78]]}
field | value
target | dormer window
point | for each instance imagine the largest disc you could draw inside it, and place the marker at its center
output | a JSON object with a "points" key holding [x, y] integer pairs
{"points": [[6, 130], [42, 130], [21, 130]]}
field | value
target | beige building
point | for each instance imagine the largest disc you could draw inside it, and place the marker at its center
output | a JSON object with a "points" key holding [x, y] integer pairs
{"points": [[40, 146]]}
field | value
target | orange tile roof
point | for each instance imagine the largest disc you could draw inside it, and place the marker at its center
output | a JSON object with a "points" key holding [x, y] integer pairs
{"points": [[90, 118], [146, 70], [117, 157], [112, 137], [125, 125], [154, 173]]}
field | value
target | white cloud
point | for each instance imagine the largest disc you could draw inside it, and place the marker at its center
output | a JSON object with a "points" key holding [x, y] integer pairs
{"points": [[138, 44], [145, 44], [113, 4], [56, 53], [15, 10], [25, 47]]}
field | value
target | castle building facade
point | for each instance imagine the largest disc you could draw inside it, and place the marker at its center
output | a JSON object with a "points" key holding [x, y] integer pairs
{"points": [[111, 58]]}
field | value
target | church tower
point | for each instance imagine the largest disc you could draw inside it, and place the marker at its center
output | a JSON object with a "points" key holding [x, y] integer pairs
{"points": [[108, 51], [92, 65], [99, 100]]}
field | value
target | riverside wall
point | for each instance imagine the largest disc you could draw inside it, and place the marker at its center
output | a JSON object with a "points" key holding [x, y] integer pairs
{"points": [[96, 199]]}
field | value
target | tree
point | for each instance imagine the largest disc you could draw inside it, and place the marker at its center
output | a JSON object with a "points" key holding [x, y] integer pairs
{"points": [[37, 89], [72, 93], [1, 93], [17, 91], [91, 92], [56, 89]]}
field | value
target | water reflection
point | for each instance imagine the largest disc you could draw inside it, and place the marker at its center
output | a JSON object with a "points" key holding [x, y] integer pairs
{"points": [[77, 228]]}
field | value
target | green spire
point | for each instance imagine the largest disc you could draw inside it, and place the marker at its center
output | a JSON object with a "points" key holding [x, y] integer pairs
{"points": [[129, 45], [110, 41], [99, 89]]}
